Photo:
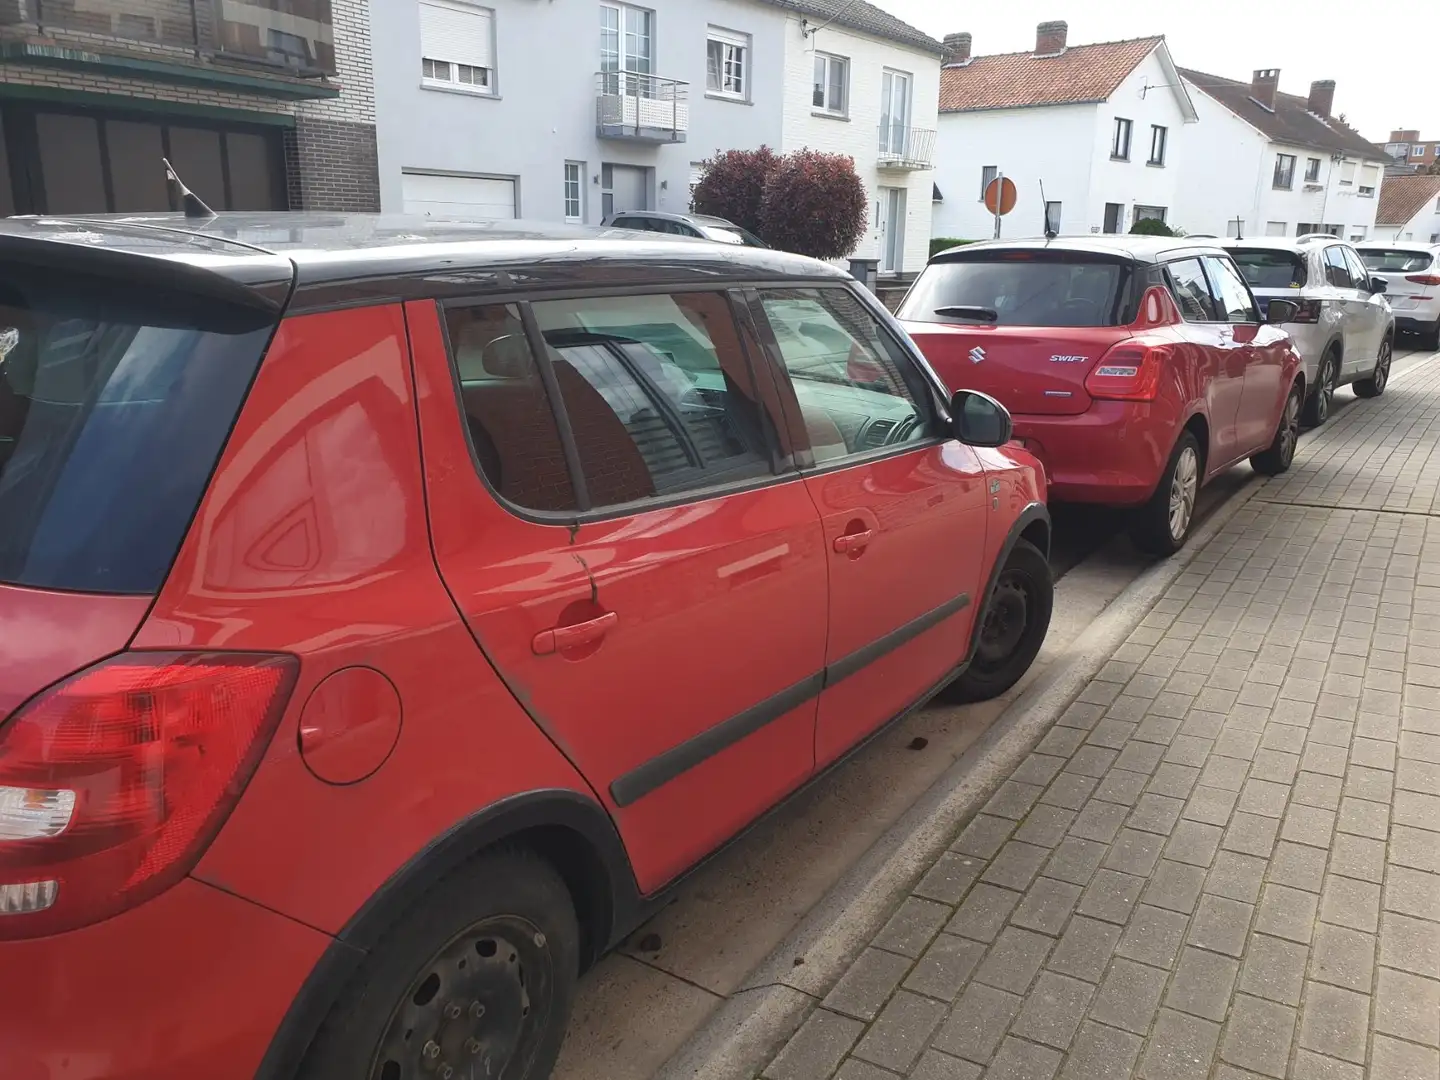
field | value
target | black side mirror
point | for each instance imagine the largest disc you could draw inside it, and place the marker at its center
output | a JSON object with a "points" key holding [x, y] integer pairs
{"points": [[1377, 286], [979, 419], [1281, 311]]}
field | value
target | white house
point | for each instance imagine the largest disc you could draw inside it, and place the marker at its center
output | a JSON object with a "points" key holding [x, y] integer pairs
{"points": [[1102, 128], [1409, 209], [575, 111], [1276, 164]]}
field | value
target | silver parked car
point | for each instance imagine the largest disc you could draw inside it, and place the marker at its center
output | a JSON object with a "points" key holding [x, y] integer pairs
{"points": [[1343, 327], [700, 226]]}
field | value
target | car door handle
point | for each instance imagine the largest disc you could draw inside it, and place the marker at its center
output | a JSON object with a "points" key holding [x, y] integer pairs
{"points": [[560, 638], [855, 541]]}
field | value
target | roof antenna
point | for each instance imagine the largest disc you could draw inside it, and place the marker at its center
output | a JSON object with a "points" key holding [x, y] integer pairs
{"points": [[1239, 227], [191, 203], [1050, 233]]}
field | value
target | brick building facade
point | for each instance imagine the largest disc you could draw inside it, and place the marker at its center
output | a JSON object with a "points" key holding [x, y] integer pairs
{"points": [[259, 104]]}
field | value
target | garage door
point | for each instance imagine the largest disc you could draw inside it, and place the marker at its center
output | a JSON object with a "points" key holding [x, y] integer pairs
{"points": [[472, 198]]}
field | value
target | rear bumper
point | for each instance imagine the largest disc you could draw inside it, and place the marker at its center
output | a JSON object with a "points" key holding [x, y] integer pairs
{"points": [[193, 983], [1417, 322], [1110, 455]]}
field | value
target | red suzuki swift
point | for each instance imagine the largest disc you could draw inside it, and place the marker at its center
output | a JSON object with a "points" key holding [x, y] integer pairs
{"points": [[390, 612], [1136, 368]]}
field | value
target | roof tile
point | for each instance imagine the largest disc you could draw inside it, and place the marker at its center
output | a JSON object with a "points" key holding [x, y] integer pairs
{"points": [[867, 18], [1081, 73], [1402, 197]]}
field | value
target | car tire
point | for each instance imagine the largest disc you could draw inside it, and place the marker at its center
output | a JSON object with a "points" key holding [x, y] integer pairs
{"points": [[1321, 402], [1011, 629], [478, 976], [1276, 458], [1374, 386], [1163, 524]]}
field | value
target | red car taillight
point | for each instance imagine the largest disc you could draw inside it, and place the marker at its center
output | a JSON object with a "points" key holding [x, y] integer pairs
{"points": [[1128, 372], [1423, 279], [113, 782]]}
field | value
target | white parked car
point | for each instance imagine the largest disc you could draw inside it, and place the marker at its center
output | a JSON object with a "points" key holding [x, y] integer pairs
{"points": [[1412, 278], [1343, 325]]}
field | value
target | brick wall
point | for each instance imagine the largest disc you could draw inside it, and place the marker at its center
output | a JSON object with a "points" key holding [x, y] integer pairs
{"points": [[331, 161]]}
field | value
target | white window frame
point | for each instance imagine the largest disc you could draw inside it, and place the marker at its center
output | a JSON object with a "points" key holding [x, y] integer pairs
{"points": [[577, 169], [460, 77], [988, 175], [829, 108], [904, 81], [729, 41], [1348, 169], [1161, 134], [1126, 125]]}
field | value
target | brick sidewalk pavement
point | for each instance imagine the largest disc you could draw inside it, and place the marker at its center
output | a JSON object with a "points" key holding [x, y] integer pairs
{"points": [[1223, 861]]}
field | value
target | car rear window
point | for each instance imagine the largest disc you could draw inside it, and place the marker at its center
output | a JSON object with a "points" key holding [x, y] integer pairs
{"points": [[1021, 289], [1270, 268], [116, 398], [1395, 261]]}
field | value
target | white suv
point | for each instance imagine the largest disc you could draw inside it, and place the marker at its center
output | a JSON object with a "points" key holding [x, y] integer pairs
{"points": [[1412, 276], [1343, 326]]}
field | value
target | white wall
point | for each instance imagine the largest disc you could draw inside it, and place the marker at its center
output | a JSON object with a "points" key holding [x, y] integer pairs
{"points": [[858, 134], [1331, 202], [543, 113], [1146, 99], [1423, 228], [1053, 144]]}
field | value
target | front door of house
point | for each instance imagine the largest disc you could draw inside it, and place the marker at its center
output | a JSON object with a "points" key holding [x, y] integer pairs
{"points": [[623, 188], [890, 221]]}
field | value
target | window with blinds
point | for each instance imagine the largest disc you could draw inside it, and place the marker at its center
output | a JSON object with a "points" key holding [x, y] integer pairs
{"points": [[457, 45]]}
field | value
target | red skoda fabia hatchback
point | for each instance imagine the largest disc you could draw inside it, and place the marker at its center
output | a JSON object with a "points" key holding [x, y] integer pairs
{"points": [[390, 612], [1135, 368]]}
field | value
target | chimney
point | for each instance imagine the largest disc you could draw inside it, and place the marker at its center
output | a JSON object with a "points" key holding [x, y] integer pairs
{"points": [[1263, 87], [1322, 97], [1050, 38], [957, 48]]}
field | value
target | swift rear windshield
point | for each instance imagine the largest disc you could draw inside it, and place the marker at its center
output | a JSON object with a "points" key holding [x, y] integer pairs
{"points": [[116, 398], [1271, 268], [1006, 288]]}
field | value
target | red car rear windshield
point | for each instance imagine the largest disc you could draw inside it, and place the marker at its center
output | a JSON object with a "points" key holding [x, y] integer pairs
{"points": [[1271, 268], [1008, 288], [115, 400]]}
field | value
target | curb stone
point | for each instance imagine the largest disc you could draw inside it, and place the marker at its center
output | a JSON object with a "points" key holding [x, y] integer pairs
{"points": [[742, 1037]]}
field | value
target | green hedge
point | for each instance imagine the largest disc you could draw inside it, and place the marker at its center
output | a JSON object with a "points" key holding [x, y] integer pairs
{"points": [[943, 243]]}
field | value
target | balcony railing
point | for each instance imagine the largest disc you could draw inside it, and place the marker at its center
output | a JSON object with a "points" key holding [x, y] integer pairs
{"points": [[641, 108], [292, 36], [903, 147]]}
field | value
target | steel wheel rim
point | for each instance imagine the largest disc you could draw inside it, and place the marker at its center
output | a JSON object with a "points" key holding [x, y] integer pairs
{"points": [[477, 1007], [1382, 367], [1290, 429], [1005, 622], [1183, 488], [1328, 379]]}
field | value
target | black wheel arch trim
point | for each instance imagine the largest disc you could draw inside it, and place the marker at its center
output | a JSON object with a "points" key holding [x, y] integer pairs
{"points": [[617, 903], [1034, 512]]}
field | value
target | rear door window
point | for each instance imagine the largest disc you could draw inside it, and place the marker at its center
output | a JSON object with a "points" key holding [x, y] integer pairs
{"points": [[858, 393], [1192, 291], [116, 398], [1337, 271], [1021, 288], [1236, 303], [1271, 268]]}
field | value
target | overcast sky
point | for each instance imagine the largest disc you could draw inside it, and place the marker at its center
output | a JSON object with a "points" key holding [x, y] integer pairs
{"points": [[1382, 56]]}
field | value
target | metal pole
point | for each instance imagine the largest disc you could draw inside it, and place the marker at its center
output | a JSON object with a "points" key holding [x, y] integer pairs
{"points": [[999, 197]]}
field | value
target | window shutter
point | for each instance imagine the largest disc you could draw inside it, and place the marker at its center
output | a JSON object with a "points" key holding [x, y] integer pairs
{"points": [[458, 33]]}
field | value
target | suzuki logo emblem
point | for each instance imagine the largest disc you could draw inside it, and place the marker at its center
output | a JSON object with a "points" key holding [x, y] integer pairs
{"points": [[977, 354]]}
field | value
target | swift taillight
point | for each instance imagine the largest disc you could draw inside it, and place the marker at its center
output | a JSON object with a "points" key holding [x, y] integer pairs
{"points": [[1128, 372], [113, 782]]}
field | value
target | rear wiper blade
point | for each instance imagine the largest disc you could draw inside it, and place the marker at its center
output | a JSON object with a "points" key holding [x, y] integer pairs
{"points": [[984, 314]]}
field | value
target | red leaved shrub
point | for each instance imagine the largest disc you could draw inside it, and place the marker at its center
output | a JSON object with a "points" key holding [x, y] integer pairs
{"points": [[733, 184], [814, 204]]}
